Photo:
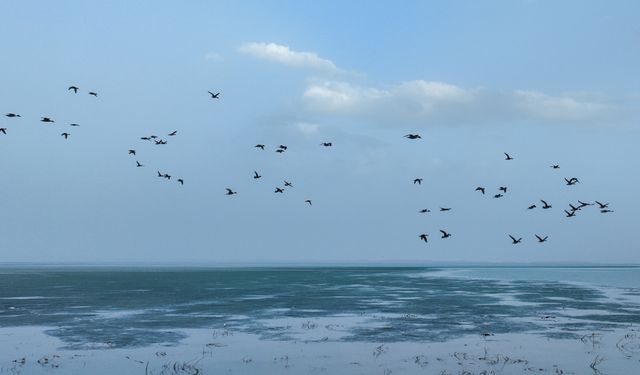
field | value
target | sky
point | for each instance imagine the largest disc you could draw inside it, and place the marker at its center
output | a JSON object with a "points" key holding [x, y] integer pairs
{"points": [[548, 82]]}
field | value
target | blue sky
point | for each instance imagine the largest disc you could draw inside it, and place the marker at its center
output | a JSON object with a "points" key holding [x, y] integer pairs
{"points": [[549, 82]]}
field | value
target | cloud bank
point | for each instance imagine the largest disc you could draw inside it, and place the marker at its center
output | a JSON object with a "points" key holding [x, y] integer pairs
{"points": [[284, 55]]}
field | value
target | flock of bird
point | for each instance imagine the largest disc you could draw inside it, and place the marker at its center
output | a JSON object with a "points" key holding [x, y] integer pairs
{"points": [[571, 211]]}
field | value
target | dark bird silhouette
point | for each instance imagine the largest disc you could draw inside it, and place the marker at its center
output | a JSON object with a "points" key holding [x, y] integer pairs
{"points": [[282, 147], [3, 130], [445, 234], [425, 210], [507, 156], [168, 177], [606, 211], [480, 189], [132, 152], [12, 115], [574, 208], [571, 181], [555, 166], [287, 184], [326, 144], [546, 205], [417, 181], [214, 96], [65, 135], [173, 133], [423, 237], [160, 174], [145, 138], [74, 88], [280, 151], [231, 192], [540, 239], [256, 175], [503, 188], [570, 214], [602, 205], [308, 201], [279, 190], [514, 241], [138, 164], [74, 124], [413, 136], [153, 136], [46, 119], [181, 181], [93, 93], [584, 204], [259, 146], [498, 195], [161, 142], [445, 208], [531, 207]]}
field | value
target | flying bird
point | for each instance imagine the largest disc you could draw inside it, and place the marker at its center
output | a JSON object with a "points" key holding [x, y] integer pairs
{"points": [[231, 192], [256, 175], [584, 204], [46, 119], [445, 234], [546, 205], [280, 150], [417, 181], [145, 138], [570, 214], [498, 195], [138, 164], [424, 210], [74, 124], [93, 93], [282, 147], [540, 239], [480, 189], [423, 237], [181, 181], [3, 130], [12, 115], [74, 88], [214, 96], [606, 211], [508, 157], [445, 208], [503, 188], [132, 152], [602, 205], [555, 166], [531, 207], [308, 201], [287, 184], [326, 144], [571, 181], [514, 241], [279, 190], [65, 135], [259, 146], [173, 133], [413, 136]]}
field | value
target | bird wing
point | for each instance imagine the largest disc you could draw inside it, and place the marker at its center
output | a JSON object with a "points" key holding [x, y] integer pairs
{"points": [[443, 232], [512, 238], [538, 237], [229, 191]]}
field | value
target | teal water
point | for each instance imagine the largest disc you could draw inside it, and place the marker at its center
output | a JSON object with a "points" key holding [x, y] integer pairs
{"points": [[132, 307]]}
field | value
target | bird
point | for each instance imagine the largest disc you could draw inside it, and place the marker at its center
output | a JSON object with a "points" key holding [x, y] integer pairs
{"points": [[161, 142], [574, 208], [167, 176], [231, 192], [326, 144], [153, 136], [214, 96], [584, 204], [571, 181], [480, 189], [132, 152], [74, 88], [540, 239], [498, 195], [279, 190], [570, 214], [3, 130], [508, 157], [145, 138], [160, 174], [425, 210], [256, 175], [12, 115], [308, 201], [259, 146], [423, 237], [286, 183], [546, 205], [602, 205], [74, 124], [503, 188], [531, 207], [93, 93], [445, 208], [555, 166], [280, 150], [181, 181], [138, 164], [606, 211], [282, 147], [173, 133], [417, 181], [46, 119], [514, 241], [445, 234], [413, 136], [65, 135]]}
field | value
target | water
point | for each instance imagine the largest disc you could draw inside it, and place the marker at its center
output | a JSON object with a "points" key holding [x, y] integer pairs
{"points": [[124, 308]]}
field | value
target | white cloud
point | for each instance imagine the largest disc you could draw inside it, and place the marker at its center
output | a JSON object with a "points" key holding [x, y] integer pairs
{"points": [[307, 128], [284, 55], [423, 102], [213, 56]]}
